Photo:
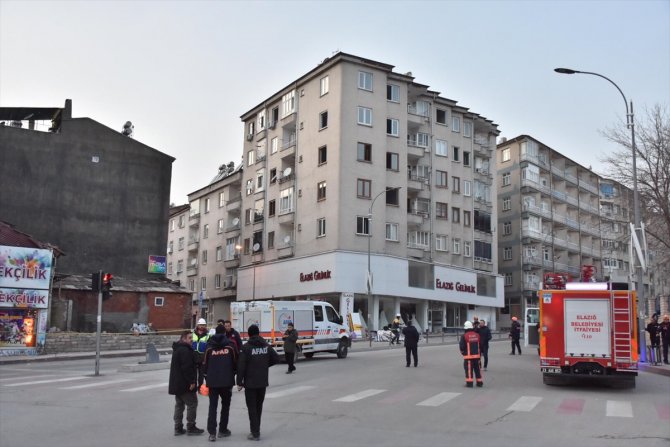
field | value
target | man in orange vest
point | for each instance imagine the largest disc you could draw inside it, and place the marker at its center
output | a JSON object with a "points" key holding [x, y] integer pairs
{"points": [[470, 349]]}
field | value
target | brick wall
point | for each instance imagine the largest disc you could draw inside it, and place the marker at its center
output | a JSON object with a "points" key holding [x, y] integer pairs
{"points": [[57, 343]]}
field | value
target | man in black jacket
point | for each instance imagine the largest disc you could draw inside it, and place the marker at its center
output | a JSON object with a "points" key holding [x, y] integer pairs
{"points": [[411, 343], [484, 338], [515, 335], [182, 385], [256, 358], [219, 366]]}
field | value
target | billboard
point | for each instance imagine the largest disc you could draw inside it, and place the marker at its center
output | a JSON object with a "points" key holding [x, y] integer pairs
{"points": [[25, 268], [158, 264]]}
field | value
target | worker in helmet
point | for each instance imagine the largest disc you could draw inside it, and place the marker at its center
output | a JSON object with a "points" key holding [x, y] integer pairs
{"points": [[395, 328], [469, 345], [199, 339], [515, 335]]}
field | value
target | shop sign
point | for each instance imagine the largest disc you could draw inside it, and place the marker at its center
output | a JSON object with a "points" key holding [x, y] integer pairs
{"points": [[38, 299], [25, 268], [457, 286], [157, 264], [315, 275]]}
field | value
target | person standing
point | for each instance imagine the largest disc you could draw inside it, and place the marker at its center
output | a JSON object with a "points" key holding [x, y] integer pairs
{"points": [[484, 338], [256, 358], [411, 343], [515, 335], [395, 329], [654, 330], [219, 366], [290, 338], [199, 340], [665, 337], [470, 349], [182, 385], [232, 334]]}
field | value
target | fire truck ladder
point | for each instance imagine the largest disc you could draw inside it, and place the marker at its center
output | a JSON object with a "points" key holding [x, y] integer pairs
{"points": [[622, 328]]}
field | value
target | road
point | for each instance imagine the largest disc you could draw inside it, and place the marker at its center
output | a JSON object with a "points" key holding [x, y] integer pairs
{"points": [[367, 399]]}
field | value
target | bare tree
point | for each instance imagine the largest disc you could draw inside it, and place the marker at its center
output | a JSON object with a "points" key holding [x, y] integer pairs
{"points": [[652, 141]]}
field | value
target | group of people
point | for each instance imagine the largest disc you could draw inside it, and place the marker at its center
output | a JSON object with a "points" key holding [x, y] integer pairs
{"points": [[218, 359], [474, 347], [659, 335]]}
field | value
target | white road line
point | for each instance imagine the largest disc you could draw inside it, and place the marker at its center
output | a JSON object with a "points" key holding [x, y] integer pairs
{"points": [[525, 403], [147, 387], [358, 396], [438, 399], [41, 376], [288, 392], [619, 409], [91, 385], [65, 379]]}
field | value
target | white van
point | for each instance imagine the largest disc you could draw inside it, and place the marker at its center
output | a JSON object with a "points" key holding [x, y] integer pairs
{"points": [[318, 324]]}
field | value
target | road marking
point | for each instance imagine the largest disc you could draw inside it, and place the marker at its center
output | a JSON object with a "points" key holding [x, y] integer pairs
{"points": [[571, 406], [41, 376], [480, 402], [358, 396], [147, 387], [90, 385], [438, 399], [288, 392], [619, 409], [64, 379], [525, 403]]}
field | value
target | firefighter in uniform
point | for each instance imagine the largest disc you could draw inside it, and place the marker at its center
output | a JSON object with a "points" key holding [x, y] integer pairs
{"points": [[199, 341], [470, 349]]}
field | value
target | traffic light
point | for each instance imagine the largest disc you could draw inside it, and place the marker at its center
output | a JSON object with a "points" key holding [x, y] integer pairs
{"points": [[95, 281], [107, 285]]}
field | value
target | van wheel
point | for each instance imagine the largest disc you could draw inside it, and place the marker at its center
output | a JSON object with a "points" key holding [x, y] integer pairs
{"points": [[308, 355], [342, 349]]}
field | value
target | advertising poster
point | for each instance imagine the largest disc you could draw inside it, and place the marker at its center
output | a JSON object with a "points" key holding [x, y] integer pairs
{"points": [[17, 330], [157, 264]]}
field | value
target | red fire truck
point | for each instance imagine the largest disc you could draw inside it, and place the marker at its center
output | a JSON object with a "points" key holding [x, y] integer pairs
{"points": [[589, 331]]}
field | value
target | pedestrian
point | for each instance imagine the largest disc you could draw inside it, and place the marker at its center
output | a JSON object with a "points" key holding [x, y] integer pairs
{"points": [[256, 358], [290, 338], [470, 349], [212, 331], [665, 337], [182, 385], [232, 334], [411, 343], [219, 365], [199, 342], [515, 335], [654, 330], [395, 329], [484, 338]]}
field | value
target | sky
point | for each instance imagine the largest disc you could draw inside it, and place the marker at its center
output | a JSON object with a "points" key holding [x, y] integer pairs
{"points": [[185, 71]]}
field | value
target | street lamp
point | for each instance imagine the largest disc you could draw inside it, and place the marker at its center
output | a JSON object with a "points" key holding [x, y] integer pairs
{"points": [[630, 123], [369, 279]]}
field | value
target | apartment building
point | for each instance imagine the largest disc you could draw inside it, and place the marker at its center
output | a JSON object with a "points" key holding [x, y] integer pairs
{"points": [[558, 221], [354, 168]]}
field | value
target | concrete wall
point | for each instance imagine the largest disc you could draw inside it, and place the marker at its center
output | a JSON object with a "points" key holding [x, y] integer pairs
{"points": [[57, 343]]}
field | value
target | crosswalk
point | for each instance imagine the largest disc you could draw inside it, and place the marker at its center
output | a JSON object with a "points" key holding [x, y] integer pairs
{"points": [[479, 400]]}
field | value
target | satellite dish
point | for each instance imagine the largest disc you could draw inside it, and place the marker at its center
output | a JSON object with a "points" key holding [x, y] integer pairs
{"points": [[128, 129], [257, 246], [287, 172], [287, 239], [236, 221]]}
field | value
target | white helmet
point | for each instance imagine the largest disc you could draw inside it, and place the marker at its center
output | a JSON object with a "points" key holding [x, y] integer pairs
{"points": [[467, 325], [202, 321]]}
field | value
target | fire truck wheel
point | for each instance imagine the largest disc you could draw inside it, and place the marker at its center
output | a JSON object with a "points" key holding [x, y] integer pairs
{"points": [[308, 355], [342, 349]]}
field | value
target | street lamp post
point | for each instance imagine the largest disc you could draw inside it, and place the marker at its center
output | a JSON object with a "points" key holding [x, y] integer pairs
{"points": [[630, 123], [369, 278]]}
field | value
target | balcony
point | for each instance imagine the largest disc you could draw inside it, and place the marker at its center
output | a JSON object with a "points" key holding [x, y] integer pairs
{"points": [[416, 218], [192, 269], [232, 262], [415, 152], [415, 183], [416, 251], [234, 203], [192, 244], [281, 178], [289, 120], [544, 212], [286, 218], [194, 220], [589, 186], [483, 264], [234, 225], [285, 251]]}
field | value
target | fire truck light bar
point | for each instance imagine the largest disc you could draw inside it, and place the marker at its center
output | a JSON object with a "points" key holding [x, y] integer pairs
{"points": [[586, 286]]}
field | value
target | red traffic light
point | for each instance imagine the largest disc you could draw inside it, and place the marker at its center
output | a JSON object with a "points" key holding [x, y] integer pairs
{"points": [[107, 278]]}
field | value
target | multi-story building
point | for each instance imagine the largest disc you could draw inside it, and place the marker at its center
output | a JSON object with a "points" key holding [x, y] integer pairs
{"points": [[558, 221], [354, 167]]}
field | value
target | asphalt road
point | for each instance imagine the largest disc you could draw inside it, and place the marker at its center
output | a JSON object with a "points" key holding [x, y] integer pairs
{"points": [[367, 399]]}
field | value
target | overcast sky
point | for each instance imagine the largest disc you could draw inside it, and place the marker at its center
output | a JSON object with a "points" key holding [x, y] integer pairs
{"points": [[184, 71]]}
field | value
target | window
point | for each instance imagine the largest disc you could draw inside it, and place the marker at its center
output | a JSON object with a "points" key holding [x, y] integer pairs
{"points": [[456, 153], [274, 116], [170, 246], [169, 269], [418, 239], [323, 120], [392, 127], [441, 210], [260, 120], [507, 203], [180, 266], [247, 216], [392, 196], [258, 210], [467, 129], [180, 244], [441, 148], [392, 93], [392, 232], [441, 242], [455, 124], [456, 184], [219, 253], [271, 239], [250, 186], [467, 188], [467, 220], [205, 231], [172, 224], [455, 214], [321, 227], [250, 130], [271, 208], [207, 205], [441, 179], [363, 188], [274, 145], [482, 221], [251, 157], [203, 283], [191, 285], [286, 201], [219, 226], [288, 103], [506, 154], [392, 161], [257, 245], [441, 116], [508, 279], [217, 281], [507, 228], [260, 179], [222, 200], [323, 155], [364, 152], [273, 176], [324, 85], [362, 225], [456, 246], [507, 253], [321, 191], [365, 80], [506, 179], [483, 251], [467, 249], [182, 221], [365, 116], [466, 158]]}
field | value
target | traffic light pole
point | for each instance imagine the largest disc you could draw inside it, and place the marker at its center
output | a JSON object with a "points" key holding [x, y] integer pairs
{"points": [[98, 327]]}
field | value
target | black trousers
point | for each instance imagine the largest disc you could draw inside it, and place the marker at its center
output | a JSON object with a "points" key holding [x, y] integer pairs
{"points": [[255, 398], [201, 369], [472, 366], [396, 336], [214, 394], [515, 343], [665, 350], [290, 359], [414, 352], [485, 355]]}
